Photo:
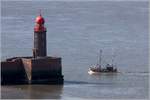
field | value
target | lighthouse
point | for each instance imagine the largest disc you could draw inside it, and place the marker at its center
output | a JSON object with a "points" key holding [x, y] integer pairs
{"points": [[39, 49], [36, 69]]}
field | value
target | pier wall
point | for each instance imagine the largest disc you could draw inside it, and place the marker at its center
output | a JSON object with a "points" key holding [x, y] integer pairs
{"points": [[45, 70], [27, 66], [13, 72]]}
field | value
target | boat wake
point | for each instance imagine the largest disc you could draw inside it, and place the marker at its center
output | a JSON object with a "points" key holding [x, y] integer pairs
{"points": [[135, 73]]}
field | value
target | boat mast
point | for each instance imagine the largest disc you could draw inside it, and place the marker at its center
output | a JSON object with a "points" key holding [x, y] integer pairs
{"points": [[113, 56], [100, 58]]}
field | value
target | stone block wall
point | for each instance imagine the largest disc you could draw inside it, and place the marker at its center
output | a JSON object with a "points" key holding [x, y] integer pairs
{"points": [[28, 70], [13, 72]]}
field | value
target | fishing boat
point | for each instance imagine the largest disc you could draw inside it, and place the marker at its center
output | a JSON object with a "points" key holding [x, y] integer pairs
{"points": [[98, 68]]}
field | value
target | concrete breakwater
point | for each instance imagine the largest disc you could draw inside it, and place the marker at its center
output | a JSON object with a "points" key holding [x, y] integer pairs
{"points": [[28, 70]]}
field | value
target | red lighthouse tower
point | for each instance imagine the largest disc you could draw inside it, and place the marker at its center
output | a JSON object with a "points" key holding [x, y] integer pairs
{"points": [[39, 49], [39, 69]]}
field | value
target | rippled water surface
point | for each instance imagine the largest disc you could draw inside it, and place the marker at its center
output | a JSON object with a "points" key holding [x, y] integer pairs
{"points": [[76, 31]]}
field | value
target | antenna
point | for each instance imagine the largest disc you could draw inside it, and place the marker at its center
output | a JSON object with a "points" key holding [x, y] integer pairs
{"points": [[40, 12]]}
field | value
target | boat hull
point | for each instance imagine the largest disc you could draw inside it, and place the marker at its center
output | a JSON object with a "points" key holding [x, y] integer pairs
{"points": [[91, 72]]}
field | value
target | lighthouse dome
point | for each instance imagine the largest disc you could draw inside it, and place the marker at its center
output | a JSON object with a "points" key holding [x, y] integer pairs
{"points": [[39, 20]]}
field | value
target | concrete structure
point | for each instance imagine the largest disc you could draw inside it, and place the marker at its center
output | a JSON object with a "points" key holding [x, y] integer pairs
{"points": [[12, 72], [38, 69]]}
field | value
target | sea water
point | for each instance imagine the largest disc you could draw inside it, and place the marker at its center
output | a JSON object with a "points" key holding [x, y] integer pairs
{"points": [[76, 31]]}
